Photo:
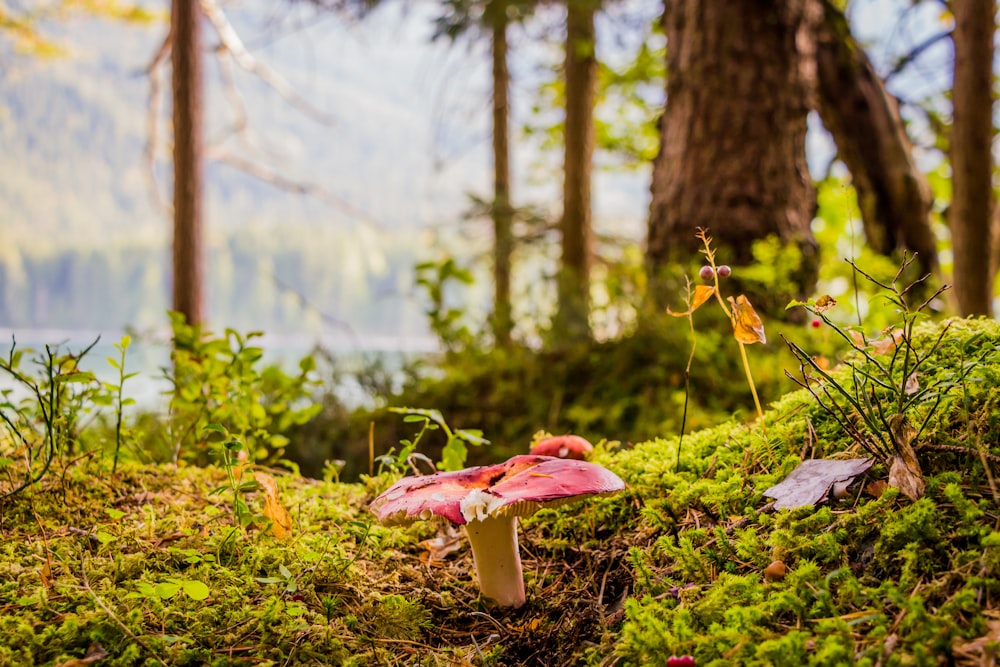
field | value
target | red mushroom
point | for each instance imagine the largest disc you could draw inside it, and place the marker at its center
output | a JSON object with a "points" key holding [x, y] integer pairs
{"points": [[564, 447], [487, 500]]}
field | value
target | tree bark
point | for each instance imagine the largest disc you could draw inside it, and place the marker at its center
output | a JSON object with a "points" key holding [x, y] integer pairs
{"points": [[732, 147], [970, 215], [503, 236], [893, 195], [581, 82], [187, 116]]}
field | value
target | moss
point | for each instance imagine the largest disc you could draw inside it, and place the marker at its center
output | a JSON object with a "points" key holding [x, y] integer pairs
{"points": [[673, 565]]}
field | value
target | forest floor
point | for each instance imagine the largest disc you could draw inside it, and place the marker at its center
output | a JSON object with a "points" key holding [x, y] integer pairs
{"points": [[145, 567]]}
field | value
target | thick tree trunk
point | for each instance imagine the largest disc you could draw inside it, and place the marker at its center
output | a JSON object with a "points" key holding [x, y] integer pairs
{"points": [[894, 197], [187, 82], [732, 148], [972, 203], [581, 82], [503, 236]]}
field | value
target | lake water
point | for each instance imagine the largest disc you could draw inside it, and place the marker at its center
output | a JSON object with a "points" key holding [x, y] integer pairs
{"points": [[149, 356]]}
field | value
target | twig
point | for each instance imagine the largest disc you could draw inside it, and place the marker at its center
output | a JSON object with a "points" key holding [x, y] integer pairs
{"points": [[232, 43]]}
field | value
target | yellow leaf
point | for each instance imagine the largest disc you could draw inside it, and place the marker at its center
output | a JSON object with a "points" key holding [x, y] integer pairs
{"points": [[702, 293], [747, 327], [281, 520]]}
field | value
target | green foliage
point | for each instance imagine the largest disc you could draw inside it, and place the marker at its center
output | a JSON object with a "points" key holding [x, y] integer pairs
{"points": [[888, 375], [218, 380], [40, 415], [445, 319], [453, 453]]}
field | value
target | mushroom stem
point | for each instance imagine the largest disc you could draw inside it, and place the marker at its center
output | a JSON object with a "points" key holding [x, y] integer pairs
{"points": [[498, 561]]}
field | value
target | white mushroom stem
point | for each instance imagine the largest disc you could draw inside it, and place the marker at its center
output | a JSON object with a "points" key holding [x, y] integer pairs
{"points": [[497, 559]]}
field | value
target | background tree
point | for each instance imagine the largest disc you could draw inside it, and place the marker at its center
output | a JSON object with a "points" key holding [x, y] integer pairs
{"points": [[894, 197], [575, 225], [185, 26], [971, 144], [732, 147], [493, 19]]}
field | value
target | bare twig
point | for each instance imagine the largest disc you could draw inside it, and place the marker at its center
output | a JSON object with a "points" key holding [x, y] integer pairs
{"points": [[232, 43], [298, 187]]}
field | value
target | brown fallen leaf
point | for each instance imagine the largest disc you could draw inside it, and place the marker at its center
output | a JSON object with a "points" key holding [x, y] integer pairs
{"points": [[747, 326], [811, 480], [912, 384], [876, 488], [446, 542], [94, 653], [981, 651], [281, 520], [904, 469]]}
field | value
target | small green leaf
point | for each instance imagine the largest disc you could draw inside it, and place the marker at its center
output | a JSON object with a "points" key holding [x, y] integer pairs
{"points": [[113, 513], [196, 590], [167, 589]]}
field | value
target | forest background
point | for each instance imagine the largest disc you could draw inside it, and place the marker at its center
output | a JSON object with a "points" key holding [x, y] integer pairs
{"points": [[345, 147]]}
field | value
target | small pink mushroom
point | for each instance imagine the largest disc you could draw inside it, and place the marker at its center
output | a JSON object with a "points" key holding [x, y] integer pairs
{"points": [[487, 500], [563, 447]]}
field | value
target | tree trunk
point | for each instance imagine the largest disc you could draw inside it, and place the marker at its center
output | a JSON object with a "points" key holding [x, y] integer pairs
{"points": [[732, 141], [970, 215], [893, 195], [581, 82], [503, 236], [187, 82]]}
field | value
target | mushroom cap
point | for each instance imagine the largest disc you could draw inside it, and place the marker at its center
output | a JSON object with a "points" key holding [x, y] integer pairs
{"points": [[564, 447], [520, 486]]}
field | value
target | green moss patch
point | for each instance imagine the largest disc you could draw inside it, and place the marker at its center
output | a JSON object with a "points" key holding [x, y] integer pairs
{"points": [[147, 565]]}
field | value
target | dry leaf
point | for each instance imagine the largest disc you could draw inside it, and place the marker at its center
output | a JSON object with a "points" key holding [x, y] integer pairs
{"points": [[281, 520], [747, 327], [888, 342], [912, 384], [904, 470], [824, 303], [982, 650], [876, 488], [446, 542], [94, 653], [822, 362], [858, 338], [702, 293], [810, 482]]}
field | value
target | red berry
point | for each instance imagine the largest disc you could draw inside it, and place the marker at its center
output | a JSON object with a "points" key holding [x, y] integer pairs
{"points": [[816, 324], [680, 661], [706, 273], [724, 271]]}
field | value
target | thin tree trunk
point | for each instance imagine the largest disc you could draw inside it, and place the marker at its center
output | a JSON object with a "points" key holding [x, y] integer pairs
{"points": [[187, 112], [503, 241], [732, 143], [972, 203], [893, 195], [572, 319]]}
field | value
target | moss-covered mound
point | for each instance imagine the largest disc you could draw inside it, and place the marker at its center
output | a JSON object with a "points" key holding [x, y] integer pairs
{"points": [[145, 567]]}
